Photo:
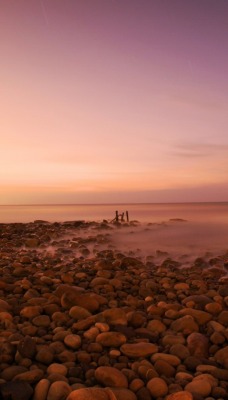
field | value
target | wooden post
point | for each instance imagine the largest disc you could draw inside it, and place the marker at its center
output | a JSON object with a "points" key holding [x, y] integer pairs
{"points": [[122, 217], [117, 216], [127, 216]]}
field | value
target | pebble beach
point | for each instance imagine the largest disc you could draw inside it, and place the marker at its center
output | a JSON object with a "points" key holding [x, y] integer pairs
{"points": [[81, 319]]}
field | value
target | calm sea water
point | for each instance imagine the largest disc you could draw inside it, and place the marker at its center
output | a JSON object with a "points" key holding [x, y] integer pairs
{"points": [[195, 212], [205, 228]]}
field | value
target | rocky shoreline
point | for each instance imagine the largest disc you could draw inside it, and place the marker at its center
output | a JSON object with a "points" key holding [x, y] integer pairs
{"points": [[80, 320]]}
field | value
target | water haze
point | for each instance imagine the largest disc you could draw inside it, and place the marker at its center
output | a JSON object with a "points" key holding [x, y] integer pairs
{"points": [[192, 228]]}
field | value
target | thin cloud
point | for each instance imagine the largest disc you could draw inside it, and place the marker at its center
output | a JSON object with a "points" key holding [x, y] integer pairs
{"points": [[194, 150]]}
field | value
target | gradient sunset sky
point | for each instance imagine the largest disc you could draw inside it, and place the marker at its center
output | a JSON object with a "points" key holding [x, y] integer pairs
{"points": [[113, 101]]}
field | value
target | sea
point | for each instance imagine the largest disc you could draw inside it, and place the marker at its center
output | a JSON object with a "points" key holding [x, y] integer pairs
{"points": [[193, 228]]}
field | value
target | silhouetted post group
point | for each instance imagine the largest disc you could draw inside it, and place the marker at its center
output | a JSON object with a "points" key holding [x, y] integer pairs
{"points": [[121, 216]]}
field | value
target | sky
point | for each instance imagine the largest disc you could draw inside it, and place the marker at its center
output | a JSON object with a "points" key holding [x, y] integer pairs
{"points": [[105, 101]]}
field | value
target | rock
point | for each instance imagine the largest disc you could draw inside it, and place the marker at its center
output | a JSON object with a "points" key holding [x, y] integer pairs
{"points": [[16, 391], [111, 339], [200, 300], [42, 321], [169, 358], [221, 356], [27, 347], [182, 395], [207, 378], [56, 368], [85, 323], [88, 394], [45, 356], [31, 242], [102, 326], [164, 368], [217, 338], [99, 282], [180, 376], [216, 326], [186, 325], [181, 286], [4, 306], [200, 387], [213, 308], [180, 351], [9, 373], [136, 384], [192, 363], [109, 376], [121, 394], [219, 393], [73, 341], [64, 288], [201, 317], [221, 374], [223, 318], [32, 376], [66, 356], [136, 350], [157, 387], [223, 290], [198, 344], [31, 311], [115, 316], [79, 313], [70, 299], [157, 326], [130, 261], [41, 389], [143, 394], [91, 333], [172, 340], [58, 391], [57, 378]]}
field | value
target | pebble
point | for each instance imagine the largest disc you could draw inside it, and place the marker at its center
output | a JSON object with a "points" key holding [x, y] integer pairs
{"points": [[41, 389], [115, 316], [78, 322], [169, 358], [198, 344], [157, 387], [89, 394], [32, 376], [200, 387], [57, 369], [73, 341], [16, 391], [111, 339], [79, 313], [112, 377], [182, 395], [58, 391], [221, 356]]}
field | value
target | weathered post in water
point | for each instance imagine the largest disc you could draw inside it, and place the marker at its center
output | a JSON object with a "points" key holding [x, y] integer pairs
{"points": [[127, 215], [117, 216]]}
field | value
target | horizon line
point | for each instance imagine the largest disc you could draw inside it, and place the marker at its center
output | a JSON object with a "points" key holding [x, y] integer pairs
{"points": [[121, 203]]}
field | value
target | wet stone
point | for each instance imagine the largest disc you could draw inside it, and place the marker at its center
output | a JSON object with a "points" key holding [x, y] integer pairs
{"points": [[27, 347], [112, 377], [16, 391]]}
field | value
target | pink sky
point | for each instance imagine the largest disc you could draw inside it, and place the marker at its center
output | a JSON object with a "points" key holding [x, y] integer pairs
{"points": [[113, 100]]}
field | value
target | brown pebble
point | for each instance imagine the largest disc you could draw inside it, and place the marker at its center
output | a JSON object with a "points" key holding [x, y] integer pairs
{"points": [[157, 387], [58, 391], [41, 389], [112, 377]]}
